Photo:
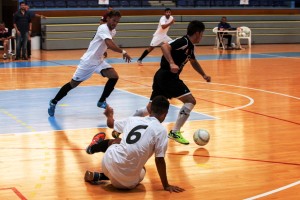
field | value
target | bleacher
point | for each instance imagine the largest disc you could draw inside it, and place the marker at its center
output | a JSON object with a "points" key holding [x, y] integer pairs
{"points": [[137, 31], [62, 4]]}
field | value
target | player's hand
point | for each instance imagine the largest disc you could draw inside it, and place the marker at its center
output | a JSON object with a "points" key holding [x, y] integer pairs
{"points": [[207, 78], [174, 68], [105, 54], [109, 111], [172, 188], [127, 57]]}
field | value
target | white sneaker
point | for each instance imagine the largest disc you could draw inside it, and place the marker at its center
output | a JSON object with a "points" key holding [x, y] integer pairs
{"points": [[4, 56], [139, 62]]}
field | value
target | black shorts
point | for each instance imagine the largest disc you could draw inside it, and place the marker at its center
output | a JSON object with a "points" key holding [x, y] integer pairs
{"points": [[168, 84]]}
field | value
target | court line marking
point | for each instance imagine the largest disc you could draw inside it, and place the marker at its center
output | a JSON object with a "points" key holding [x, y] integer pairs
{"points": [[249, 88], [251, 101], [278, 56], [274, 191], [16, 191]]}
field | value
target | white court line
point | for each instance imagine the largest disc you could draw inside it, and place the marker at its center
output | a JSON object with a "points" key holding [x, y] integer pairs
{"points": [[274, 191], [251, 101], [277, 56], [249, 88]]}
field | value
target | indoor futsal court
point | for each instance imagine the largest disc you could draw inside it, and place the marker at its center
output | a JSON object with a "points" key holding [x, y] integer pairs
{"points": [[251, 110]]}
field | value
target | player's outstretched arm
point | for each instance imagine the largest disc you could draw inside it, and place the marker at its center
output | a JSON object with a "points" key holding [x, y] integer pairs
{"points": [[199, 69], [161, 168], [114, 47], [109, 113]]}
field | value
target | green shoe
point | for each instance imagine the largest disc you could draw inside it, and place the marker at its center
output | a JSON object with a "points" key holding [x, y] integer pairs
{"points": [[176, 135]]}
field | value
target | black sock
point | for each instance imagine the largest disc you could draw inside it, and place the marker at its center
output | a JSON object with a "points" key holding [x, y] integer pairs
{"points": [[99, 176], [62, 92], [103, 177], [146, 52], [101, 147], [109, 87]]}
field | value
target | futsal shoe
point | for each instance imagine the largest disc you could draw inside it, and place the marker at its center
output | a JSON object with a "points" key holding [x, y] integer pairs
{"points": [[51, 109], [139, 62], [91, 177], [99, 137], [102, 104], [176, 135]]}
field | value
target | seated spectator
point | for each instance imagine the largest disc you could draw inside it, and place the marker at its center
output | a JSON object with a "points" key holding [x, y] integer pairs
{"points": [[5, 36], [223, 26]]}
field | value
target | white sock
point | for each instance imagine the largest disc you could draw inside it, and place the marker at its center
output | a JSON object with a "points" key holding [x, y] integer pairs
{"points": [[142, 112], [183, 115]]}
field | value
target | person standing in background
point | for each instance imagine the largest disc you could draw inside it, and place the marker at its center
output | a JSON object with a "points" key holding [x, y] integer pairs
{"points": [[32, 15], [160, 35], [23, 27]]}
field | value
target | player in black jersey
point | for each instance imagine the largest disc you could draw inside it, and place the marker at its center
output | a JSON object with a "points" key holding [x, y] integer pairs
{"points": [[167, 82]]}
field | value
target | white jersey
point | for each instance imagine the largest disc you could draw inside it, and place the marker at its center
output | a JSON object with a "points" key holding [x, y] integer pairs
{"points": [[97, 46], [141, 138], [163, 20]]}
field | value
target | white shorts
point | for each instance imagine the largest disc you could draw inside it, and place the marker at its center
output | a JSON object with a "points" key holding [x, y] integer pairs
{"points": [[84, 70], [158, 39], [114, 181]]}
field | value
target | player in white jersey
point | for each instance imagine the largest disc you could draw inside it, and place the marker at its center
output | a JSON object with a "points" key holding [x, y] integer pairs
{"points": [[160, 36], [93, 62], [124, 159]]}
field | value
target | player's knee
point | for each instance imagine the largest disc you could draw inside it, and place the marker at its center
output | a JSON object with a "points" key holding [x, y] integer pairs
{"points": [[74, 83], [188, 107]]}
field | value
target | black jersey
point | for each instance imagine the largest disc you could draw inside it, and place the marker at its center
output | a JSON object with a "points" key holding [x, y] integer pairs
{"points": [[182, 51]]}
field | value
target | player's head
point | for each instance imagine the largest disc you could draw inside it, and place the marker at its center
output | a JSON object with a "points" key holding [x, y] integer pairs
{"points": [[168, 12], [22, 5], [2, 25], [159, 107], [223, 19], [109, 8], [196, 29], [113, 18]]}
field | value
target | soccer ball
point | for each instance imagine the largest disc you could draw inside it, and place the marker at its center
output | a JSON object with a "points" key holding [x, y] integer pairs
{"points": [[201, 137]]}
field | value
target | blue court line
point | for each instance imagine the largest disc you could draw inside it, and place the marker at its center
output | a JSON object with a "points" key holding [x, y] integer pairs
{"points": [[225, 56], [24, 111]]}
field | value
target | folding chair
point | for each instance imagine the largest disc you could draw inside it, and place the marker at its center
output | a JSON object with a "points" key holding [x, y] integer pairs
{"points": [[244, 33], [218, 43]]}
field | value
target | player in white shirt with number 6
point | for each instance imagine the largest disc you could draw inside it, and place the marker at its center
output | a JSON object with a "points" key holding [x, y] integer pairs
{"points": [[124, 159]]}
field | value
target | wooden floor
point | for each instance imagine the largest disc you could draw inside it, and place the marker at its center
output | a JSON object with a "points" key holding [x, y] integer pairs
{"points": [[254, 151]]}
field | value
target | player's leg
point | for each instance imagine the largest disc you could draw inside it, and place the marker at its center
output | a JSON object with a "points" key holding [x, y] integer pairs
{"points": [[61, 94], [82, 73], [184, 113], [99, 144], [156, 91], [178, 89], [156, 40], [142, 112], [144, 54], [106, 70], [94, 177]]}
